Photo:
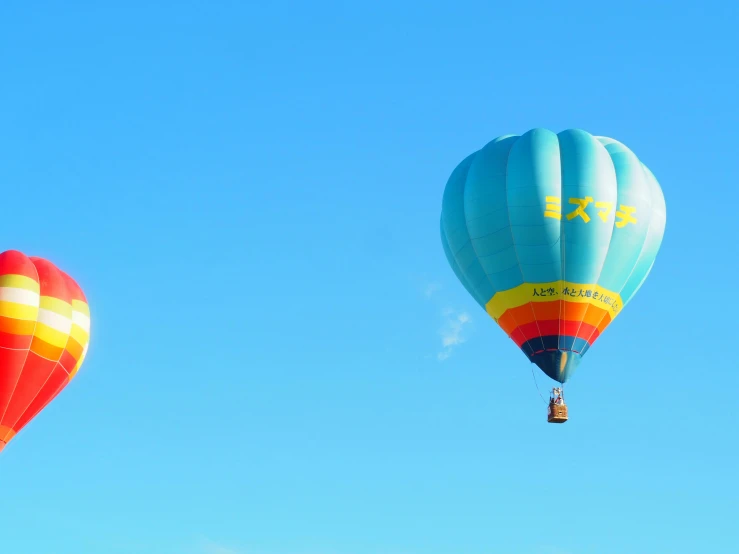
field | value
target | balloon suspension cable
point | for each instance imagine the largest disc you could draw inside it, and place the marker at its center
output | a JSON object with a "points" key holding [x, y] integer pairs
{"points": [[537, 385]]}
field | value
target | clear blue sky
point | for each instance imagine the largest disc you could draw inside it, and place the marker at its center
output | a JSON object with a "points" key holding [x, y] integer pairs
{"points": [[250, 198]]}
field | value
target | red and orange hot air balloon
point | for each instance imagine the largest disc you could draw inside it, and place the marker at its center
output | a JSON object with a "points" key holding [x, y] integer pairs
{"points": [[44, 333]]}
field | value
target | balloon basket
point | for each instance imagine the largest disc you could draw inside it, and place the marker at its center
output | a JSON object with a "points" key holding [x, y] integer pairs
{"points": [[557, 413]]}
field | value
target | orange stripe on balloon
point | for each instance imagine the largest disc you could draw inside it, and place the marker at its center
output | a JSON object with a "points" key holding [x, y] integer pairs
{"points": [[528, 313], [46, 350], [552, 327], [515, 317], [602, 324], [605, 322], [548, 310], [573, 311], [593, 315], [16, 326], [507, 322], [555, 309], [75, 349]]}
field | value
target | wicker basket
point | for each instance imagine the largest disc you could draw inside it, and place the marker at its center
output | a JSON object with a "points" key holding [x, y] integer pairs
{"points": [[557, 413]]}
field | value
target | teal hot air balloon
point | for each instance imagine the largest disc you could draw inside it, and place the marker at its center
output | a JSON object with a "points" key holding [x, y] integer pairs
{"points": [[552, 234]]}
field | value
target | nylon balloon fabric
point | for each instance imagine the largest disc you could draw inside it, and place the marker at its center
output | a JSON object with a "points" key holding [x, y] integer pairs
{"points": [[552, 234], [44, 335]]}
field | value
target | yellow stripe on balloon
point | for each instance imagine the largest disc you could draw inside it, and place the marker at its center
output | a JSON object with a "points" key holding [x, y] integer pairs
{"points": [[56, 305], [80, 306], [50, 335], [79, 334], [19, 281], [532, 292], [18, 311]]}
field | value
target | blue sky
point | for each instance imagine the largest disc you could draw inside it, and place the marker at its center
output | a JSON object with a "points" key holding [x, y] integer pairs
{"points": [[249, 196]]}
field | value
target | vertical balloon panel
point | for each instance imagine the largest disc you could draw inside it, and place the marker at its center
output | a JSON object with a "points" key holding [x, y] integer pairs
{"points": [[656, 230], [487, 217], [533, 182], [589, 191], [456, 236], [19, 307]]}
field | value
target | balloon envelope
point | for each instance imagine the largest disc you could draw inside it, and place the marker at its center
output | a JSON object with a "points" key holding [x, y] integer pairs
{"points": [[552, 234], [44, 333]]}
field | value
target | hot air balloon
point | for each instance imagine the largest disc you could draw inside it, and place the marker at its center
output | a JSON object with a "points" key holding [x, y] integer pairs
{"points": [[44, 333], [552, 234]]}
